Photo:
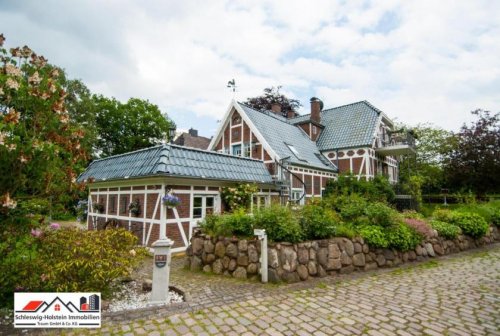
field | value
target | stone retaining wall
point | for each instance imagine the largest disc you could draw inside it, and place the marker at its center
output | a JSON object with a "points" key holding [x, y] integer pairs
{"points": [[295, 262]]}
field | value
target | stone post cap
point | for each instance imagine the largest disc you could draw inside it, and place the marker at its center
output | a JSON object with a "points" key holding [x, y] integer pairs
{"points": [[163, 243]]}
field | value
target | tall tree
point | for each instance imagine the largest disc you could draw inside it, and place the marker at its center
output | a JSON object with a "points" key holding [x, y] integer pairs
{"points": [[126, 127], [40, 144], [475, 163], [271, 96]]}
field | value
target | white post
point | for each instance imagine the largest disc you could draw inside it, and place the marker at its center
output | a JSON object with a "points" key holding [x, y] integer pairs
{"points": [[262, 236], [161, 270], [162, 257]]}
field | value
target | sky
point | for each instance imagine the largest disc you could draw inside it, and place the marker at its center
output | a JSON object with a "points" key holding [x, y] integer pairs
{"points": [[418, 61]]}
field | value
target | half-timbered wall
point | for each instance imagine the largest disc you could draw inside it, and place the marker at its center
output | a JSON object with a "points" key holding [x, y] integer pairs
{"points": [[180, 221], [364, 162]]}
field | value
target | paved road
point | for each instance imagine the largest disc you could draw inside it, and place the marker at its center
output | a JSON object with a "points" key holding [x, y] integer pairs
{"points": [[455, 295]]}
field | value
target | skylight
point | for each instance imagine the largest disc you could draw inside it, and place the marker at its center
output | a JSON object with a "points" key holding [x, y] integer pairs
{"points": [[295, 152]]}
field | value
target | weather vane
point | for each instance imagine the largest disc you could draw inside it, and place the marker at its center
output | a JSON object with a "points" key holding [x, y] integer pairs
{"points": [[232, 84]]}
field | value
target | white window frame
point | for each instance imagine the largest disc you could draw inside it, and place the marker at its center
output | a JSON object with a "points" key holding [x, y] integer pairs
{"points": [[234, 150], [204, 205]]}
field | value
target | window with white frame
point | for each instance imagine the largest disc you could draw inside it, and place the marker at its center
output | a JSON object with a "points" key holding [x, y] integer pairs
{"points": [[260, 201], [203, 205], [237, 150], [246, 150]]}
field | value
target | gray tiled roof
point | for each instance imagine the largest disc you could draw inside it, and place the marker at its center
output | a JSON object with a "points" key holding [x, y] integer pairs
{"points": [[279, 134], [173, 160], [346, 126]]}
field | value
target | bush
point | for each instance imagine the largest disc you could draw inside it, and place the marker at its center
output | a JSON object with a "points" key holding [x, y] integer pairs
{"points": [[374, 236], [376, 189], [403, 237], [446, 230], [232, 224], [495, 217], [471, 224], [412, 214], [280, 224], [350, 207], [345, 230], [66, 260], [382, 215], [420, 226], [443, 215], [317, 222]]}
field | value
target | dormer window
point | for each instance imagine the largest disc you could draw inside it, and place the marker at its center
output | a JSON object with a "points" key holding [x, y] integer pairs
{"points": [[236, 120]]}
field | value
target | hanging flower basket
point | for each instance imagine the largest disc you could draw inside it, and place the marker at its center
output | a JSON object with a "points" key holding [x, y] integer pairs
{"points": [[170, 201], [135, 208]]}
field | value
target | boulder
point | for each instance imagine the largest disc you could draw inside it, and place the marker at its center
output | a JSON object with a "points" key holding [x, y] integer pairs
{"points": [[345, 259], [323, 256], [210, 258], [288, 258], [240, 273], [208, 246], [312, 254], [370, 266], [438, 249], [333, 264], [225, 261], [347, 269], [333, 251], [358, 259], [252, 268], [412, 255], [311, 267], [389, 254], [207, 269], [232, 250], [321, 271], [253, 256], [197, 244], [272, 275], [217, 267], [380, 260], [349, 247], [290, 277], [242, 260], [220, 249], [242, 245], [358, 248], [195, 263], [272, 258], [303, 272], [303, 255], [232, 265]]}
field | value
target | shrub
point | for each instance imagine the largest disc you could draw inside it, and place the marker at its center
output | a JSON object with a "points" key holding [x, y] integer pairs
{"points": [[66, 260], [412, 214], [350, 207], [317, 222], [403, 237], [376, 189], [374, 236], [471, 224], [443, 215], [495, 217], [420, 226], [446, 230], [280, 224], [382, 215], [345, 230], [238, 224]]}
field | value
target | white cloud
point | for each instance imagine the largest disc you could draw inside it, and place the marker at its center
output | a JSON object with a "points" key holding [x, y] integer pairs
{"points": [[418, 61]]}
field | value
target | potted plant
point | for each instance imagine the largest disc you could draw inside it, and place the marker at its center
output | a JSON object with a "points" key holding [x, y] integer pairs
{"points": [[135, 208], [170, 201]]}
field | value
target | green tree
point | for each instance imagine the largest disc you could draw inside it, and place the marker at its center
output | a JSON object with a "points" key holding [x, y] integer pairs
{"points": [[127, 127], [474, 164], [433, 145]]}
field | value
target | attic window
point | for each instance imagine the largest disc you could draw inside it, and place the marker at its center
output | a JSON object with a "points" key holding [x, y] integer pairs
{"points": [[295, 152]]}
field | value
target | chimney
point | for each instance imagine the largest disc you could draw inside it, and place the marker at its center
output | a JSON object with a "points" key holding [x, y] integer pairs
{"points": [[316, 107], [290, 114], [276, 108], [193, 132]]}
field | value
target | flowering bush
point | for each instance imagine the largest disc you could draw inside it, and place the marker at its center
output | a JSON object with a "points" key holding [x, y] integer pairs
{"points": [[170, 200], [239, 196], [420, 226]]}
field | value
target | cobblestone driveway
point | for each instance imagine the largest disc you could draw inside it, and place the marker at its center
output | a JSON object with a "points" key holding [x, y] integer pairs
{"points": [[455, 295]]}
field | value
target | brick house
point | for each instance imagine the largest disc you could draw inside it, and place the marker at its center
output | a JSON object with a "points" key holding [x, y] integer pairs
{"points": [[192, 139], [303, 152], [144, 176]]}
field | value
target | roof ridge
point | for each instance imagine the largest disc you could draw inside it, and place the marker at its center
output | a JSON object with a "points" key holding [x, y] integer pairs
{"points": [[213, 152], [128, 153], [268, 113]]}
